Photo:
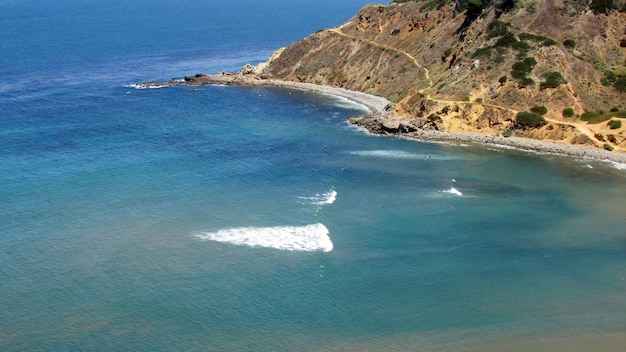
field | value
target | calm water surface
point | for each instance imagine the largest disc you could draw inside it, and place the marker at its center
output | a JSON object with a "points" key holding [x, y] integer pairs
{"points": [[230, 219]]}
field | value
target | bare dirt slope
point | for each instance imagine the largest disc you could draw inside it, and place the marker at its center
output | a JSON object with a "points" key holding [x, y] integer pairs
{"points": [[457, 68]]}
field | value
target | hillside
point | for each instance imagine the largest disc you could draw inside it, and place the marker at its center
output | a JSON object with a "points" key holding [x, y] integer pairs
{"points": [[468, 66]]}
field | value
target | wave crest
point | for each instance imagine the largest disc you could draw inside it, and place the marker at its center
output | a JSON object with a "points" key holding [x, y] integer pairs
{"points": [[398, 154], [146, 85], [322, 199], [307, 238]]}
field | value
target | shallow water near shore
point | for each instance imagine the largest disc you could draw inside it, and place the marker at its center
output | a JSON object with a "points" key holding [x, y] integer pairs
{"points": [[232, 219]]}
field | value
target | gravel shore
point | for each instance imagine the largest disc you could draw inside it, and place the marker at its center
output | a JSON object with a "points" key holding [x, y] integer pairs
{"points": [[380, 107]]}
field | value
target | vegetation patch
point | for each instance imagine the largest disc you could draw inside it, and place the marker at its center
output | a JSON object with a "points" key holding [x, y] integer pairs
{"points": [[523, 67], [434, 118], [483, 52], [615, 124], [497, 28], [568, 112], [618, 81], [539, 110], [527, 119], [432, 5], [588, 115], [552, 80], [526, 81], [603, 6], [569, 43], [593, 117], [542, 39]]}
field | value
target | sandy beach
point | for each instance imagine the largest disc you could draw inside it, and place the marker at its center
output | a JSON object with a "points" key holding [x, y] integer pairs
{"points": [[380, 109]]}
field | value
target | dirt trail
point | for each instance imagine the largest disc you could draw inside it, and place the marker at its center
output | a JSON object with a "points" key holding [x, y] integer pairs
{"points": [[378, 45], [581, 127]]}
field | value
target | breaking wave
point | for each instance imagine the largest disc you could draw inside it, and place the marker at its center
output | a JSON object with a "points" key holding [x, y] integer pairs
{"points": [[146, 86], [619, 166], [322, 199], [453, 191], [307, 238], [398, 154]]}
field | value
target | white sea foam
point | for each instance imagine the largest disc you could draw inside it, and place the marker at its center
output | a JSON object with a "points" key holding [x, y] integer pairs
{"points": [[397, 154], [344, 102], [322, 199], [146, 86], [619, 166], [289, 238], [453, 191]]}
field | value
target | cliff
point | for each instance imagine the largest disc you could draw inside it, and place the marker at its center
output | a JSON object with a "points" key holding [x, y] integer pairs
{"points": [[469, 66]]}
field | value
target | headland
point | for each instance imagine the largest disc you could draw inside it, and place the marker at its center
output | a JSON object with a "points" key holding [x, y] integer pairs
{"points": [[382, 119]]}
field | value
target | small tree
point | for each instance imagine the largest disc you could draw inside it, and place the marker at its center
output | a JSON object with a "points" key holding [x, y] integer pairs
{"points": [[527, 119], [615, 124], [568, 112], [569, 43], [539, 110], [620, 83], [553, 80]]}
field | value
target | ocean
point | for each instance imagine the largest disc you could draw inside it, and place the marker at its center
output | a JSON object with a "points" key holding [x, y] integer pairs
{"points": [[258, 219]]}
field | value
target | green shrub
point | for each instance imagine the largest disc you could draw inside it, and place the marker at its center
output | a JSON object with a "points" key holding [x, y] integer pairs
{"points": [[615, 124], [608, 147], [499, 58], [568, 112], [553, 80], [569, 43], [483, 52], [434, 118], [602, 6], [527, 81], [621, 113], [528, 36], [588, 115], [539, 110], [507, 133], [526, 119], [548, 42], [610, 76], [620, 83], [506, 40], [521, 46], [503, 79], [474, 8], [523, 67], [497, 28]]}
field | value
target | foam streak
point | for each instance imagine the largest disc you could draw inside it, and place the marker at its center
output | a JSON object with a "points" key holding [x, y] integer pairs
{"points": [[290, 238]]}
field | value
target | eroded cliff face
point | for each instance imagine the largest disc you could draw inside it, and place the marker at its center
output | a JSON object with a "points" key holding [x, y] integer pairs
{"points": [[448, 69]]}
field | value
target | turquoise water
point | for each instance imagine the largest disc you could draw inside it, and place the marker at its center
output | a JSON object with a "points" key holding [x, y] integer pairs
{"points": [[230, 219]]}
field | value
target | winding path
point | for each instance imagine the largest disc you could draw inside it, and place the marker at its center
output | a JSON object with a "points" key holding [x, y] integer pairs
{"points": [[581, 127]]}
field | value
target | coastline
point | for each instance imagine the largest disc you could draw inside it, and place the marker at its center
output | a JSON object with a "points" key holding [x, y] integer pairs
{"points": [[381, 111]]}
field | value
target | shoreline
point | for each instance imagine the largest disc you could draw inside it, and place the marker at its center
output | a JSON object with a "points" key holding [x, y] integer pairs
{"points": [[381, 109]]}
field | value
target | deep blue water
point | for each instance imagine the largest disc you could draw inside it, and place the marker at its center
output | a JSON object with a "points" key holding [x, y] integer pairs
{"points": [[230, 219]]}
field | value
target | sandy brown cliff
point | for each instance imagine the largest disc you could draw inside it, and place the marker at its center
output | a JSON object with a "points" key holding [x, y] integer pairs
{"points": [[469, 66]]}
